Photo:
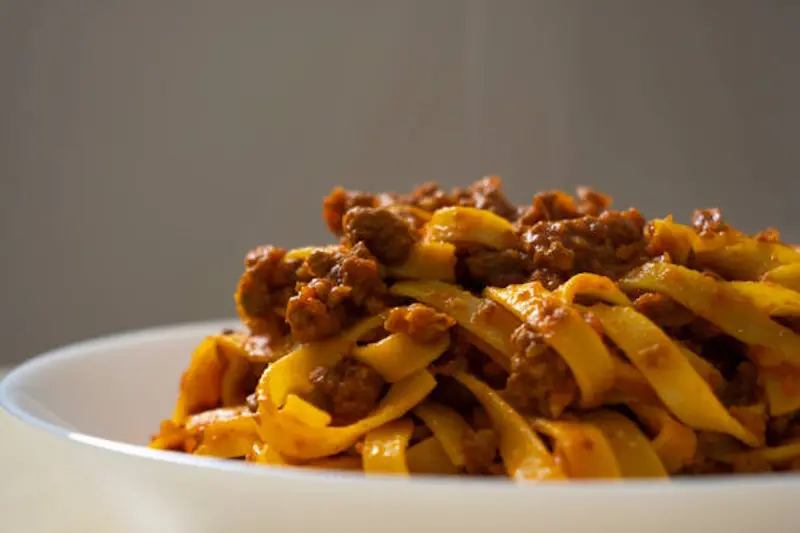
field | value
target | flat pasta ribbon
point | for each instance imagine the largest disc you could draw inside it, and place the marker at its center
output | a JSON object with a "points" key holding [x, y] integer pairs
{"points": [[290, 373], [785, 275], [447, 426], [564, 329], [398, 356], [770, 298], [225, 432], [524, 455], [747, 260], [674, 443], [582, 449], [494, 327], [428, 457], [384, 449], [293, 438], [672, 377], [428, 260], [632, 449], [471, 225], [719, 304], [599, 288]]}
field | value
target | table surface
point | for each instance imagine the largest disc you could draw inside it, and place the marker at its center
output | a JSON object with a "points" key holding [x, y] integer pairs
{"points": [[26, 483]]}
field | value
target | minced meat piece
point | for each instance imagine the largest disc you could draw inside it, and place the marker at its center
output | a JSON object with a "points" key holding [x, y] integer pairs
{"points": [[345, 284], [663, 310], [420, 322], [266, 285], [708, 222], [558, 205], [480, 267], [387, 236], [480, 450], [349, 391], [610, 245], [539, 383], [339, 201], [318, 310], [487, 194]]}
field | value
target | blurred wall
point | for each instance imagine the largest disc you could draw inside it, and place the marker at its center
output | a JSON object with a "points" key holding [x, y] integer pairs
{"points": [[146, 145]]}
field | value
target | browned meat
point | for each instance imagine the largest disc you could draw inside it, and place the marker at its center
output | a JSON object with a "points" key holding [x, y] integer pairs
{"points": [[339, 201], [558, 205], [540, 384], [265, 287], [708, 222], [420, 322], [349, 390], [318, 310], [663, 310], [479, 267], [610, 245], [345, 285], [387, 236]]}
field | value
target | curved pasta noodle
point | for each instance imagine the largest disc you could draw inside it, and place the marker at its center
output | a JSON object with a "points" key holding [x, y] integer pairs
{"points": [[428, 260], [672, 377], [582, 448], [785, 275], [674, 443], [448, 427], [598, 288], [632, 449], [494, 328], [470, 225], [719, 304], [769, 298], [384, 449], [293, 438], [524, 454], [397, 356], [565, 330], [428, 457], [748, 259]]}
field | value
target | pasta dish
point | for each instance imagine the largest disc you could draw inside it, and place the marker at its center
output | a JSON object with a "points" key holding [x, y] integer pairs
{"points": [[453, 333]]}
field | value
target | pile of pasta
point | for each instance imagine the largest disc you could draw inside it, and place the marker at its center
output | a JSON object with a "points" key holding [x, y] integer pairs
{"points": [[648, 405]]}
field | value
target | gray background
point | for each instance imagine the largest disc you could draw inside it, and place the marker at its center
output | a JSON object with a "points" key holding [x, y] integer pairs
{"points": [[145, 146]]}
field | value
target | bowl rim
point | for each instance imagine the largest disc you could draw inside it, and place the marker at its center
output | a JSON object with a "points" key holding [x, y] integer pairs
{"points": [[380, 482]]}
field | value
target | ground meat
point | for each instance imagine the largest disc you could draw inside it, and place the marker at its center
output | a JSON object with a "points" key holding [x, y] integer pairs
{"points": [[610, 245], [480, 451], [420, 322], [558, 205], [663, 310], [318, 310], [349, 390], [387, 236], [345, 284], [339, 201], [487, 194], [480, 267], [708, 222], [266, 285], [769, 235], [540, 382]]}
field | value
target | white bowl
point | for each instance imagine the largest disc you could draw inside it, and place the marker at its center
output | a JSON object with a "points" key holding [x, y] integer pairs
{"points": [[97, 402]]}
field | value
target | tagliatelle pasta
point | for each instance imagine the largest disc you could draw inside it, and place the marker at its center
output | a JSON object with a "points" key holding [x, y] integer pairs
{"points": [[451, 333]]}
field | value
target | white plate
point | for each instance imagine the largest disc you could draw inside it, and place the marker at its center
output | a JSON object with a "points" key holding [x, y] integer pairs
{"points": [[96, 403]]}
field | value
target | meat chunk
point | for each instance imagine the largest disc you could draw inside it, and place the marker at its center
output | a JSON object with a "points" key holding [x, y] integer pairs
{"points": [[266, 285], [339, 201], [480, 267], [345, 284], [349, 391], [318, 310], [540, 382], [420, 322], [610, 245], [663, 310], [709, 222], [558, 205], [487, 194], [387, 236]]}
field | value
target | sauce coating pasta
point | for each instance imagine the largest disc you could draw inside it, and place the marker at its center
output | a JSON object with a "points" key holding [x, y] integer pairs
{"points": [[454, 333]]}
